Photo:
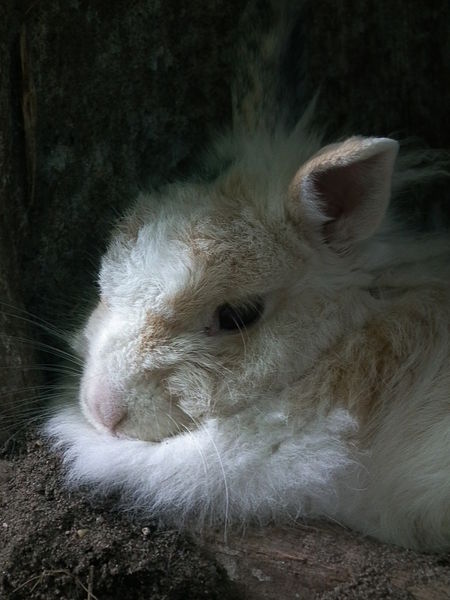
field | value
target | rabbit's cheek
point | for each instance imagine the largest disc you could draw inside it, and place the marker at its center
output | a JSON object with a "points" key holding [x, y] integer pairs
{"points": [[153, 418]]}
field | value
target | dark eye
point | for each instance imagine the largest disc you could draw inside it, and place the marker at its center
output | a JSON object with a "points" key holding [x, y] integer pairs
{"points": [[238, 317]]}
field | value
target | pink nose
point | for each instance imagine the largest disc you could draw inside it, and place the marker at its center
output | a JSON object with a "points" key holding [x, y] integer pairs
{"points": [[104, 404]]}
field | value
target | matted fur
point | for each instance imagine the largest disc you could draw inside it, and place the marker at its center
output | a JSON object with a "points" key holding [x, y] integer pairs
{"points": [[334, 403]]}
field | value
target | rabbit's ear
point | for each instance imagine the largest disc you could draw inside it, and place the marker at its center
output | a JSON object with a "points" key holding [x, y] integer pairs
{"points": [[343, 191]]}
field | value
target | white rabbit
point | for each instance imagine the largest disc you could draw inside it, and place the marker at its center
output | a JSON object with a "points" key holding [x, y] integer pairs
{"points": [[269, 346]]}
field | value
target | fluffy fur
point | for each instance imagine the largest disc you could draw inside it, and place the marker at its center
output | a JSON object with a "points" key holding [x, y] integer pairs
{"points": [[335, 402]]}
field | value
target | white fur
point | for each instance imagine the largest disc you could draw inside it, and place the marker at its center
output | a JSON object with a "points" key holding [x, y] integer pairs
{"points": [[243, 426], [221, 472], [335, 403]]}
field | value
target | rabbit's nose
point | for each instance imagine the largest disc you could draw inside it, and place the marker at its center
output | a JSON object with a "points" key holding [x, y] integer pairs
{"points": [[105, 406]]}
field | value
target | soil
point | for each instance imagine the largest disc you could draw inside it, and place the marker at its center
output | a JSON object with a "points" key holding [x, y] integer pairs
{"points": [[60, 544]]}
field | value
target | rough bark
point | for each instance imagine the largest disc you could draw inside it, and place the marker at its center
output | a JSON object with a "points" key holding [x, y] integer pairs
{"points": [[323, 561], [126, 96], [17, 374]]}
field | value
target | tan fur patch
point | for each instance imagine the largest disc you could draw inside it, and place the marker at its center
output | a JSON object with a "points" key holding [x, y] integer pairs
{"points": [[158, 330], [364, 370]]}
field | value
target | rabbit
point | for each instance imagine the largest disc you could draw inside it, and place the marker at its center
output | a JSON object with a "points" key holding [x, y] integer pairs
{"points": [[269, 344]]}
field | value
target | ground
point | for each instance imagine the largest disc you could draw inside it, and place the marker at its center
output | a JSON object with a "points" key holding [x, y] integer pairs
{"points": [[59, 544]]}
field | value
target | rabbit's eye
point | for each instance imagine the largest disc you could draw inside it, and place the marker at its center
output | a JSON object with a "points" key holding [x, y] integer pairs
{"points": [[237, 317]]}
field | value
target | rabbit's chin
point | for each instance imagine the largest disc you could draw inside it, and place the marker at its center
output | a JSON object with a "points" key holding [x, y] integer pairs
{"points": [[247, 467]]}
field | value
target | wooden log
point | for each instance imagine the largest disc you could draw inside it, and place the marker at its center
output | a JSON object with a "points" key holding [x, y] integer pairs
{"points": [[320, 560]]}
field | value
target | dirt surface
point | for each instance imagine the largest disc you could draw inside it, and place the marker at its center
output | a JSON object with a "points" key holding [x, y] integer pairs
{"points": [[60, 544], [57, 544]]}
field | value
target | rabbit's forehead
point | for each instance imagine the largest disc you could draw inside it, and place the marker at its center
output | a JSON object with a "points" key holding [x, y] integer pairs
{"points": [[147, 272], [190, 262]]}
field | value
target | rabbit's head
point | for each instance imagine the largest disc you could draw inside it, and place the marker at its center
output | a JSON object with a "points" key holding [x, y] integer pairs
{"points": [[214, 295]]}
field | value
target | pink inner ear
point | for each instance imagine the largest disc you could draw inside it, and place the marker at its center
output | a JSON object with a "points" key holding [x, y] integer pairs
{"points": [[341, 189], [345, 189]]}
